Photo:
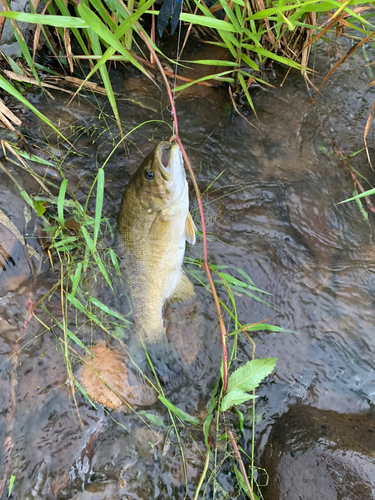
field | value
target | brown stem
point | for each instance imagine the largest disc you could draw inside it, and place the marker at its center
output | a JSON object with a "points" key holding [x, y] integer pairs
{"points": [[240, 463]]}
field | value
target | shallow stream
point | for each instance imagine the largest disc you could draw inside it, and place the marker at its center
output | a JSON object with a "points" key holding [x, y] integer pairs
{"points": [[278, 219]]}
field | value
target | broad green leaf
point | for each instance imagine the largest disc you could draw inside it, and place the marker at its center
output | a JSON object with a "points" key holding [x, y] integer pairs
{"points": [[15, 68], [255, 37], [230, 15], [110, 95], [104, 13], [34, 158], [248, 376], [271, 55], [206, 428], [180, 413], [235, 397]]}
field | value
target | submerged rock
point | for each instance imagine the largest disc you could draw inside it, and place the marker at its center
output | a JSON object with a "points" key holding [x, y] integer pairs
{"points": [[314, 453], [111, 365], [20, 253]]}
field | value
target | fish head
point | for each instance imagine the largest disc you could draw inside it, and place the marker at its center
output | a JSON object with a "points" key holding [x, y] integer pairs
{"points": [[161, 179]]}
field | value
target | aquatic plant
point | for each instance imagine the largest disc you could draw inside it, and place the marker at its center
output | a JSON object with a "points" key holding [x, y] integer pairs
{"points": [[254, 32]]}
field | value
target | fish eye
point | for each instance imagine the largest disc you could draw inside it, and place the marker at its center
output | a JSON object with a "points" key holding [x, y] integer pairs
{"points": [[149, 175]]}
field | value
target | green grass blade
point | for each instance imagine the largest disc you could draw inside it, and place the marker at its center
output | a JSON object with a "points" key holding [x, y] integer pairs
{"points": [[102, 269], [180, 413], [5, 85], [362, 195], [76, 279], [60, 202], [99, 204], [213, 62], [114, 261], [246, 92], [77, 304], [58, 21], [246, 59], [208, 22], [108, 310], [84, 393], [103, 32], [209, 77]]}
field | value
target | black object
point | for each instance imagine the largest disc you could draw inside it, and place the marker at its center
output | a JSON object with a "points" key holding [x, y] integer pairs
{"points": [[170, 11]]}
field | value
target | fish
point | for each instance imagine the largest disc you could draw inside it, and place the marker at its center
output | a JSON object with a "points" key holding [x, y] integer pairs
{"points": [[154, 223]]}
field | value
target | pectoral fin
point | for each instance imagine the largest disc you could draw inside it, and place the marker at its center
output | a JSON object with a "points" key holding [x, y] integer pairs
{"points": [[190, 229], [159, 229], [183, 291]]}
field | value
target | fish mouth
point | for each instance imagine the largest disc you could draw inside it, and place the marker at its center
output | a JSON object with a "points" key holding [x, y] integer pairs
{"points": [[164, 160]]}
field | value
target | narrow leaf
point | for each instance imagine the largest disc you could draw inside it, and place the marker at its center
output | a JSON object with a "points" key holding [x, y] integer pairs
{"points": [[108, 310], [60, 201], [180, 413], [99, 203]]}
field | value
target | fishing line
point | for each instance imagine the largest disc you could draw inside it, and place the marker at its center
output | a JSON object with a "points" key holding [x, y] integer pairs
{"points": [[175, 68]]}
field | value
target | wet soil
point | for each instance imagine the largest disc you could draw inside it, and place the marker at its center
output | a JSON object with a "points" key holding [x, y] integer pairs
{"points": [[281, 223]]}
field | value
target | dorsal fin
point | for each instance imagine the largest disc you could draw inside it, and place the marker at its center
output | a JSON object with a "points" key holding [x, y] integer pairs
{"points": [[190, 229]]}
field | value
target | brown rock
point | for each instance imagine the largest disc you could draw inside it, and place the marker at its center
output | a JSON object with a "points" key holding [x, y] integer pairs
{"points": [[120, 385], [313, 453]]}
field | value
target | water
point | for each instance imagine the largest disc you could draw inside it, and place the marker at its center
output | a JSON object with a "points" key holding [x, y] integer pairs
{"points": [[279, 221]]}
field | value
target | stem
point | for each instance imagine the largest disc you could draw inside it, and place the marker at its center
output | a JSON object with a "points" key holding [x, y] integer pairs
{"points": [[196, 188], [206, 463], [240, 463]]}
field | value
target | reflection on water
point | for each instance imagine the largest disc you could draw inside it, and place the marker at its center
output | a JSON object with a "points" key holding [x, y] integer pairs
{"points": [[280, 222]]}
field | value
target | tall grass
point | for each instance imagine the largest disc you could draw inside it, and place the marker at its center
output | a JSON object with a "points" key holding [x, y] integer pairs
{"points": [[255, 33]]}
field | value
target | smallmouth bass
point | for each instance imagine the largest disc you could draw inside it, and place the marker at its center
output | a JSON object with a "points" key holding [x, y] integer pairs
{"points": [[154, 223]]}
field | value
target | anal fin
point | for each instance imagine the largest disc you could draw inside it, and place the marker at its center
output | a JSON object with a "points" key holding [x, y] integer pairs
{"points": [[183, 291]]}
